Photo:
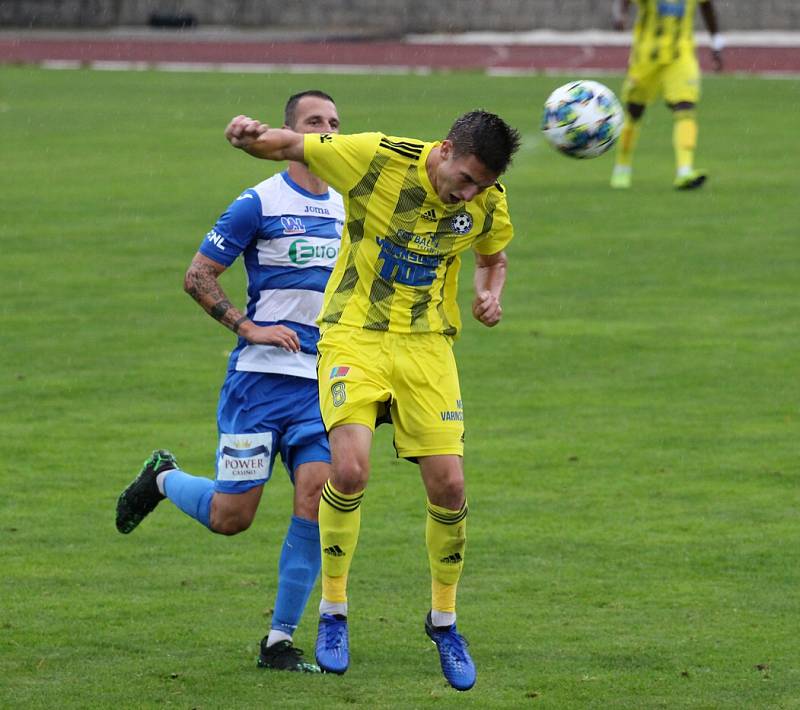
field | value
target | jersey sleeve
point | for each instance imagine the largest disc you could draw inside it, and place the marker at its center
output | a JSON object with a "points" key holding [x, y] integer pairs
{"points": [[235, 229], [340, 160], [500, 231]]}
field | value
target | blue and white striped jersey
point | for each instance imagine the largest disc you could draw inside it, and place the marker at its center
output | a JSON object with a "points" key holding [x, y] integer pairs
{"points": [[290, 240]]}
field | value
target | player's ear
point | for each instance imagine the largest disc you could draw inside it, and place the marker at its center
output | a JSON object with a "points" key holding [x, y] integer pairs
{"points": [[446, 149]]}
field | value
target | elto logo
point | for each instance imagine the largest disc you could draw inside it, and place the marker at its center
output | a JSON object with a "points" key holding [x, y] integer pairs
{"points": [[301, 251]]}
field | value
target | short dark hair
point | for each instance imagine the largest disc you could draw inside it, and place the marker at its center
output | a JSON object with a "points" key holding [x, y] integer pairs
{"points": [[486, 136], [289, 111]]}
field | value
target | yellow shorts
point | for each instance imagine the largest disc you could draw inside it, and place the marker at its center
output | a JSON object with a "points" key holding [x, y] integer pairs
{"points": [[367, 377], [677, 82]]}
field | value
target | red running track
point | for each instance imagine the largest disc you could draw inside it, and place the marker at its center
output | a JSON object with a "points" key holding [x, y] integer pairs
{"points": [[377, 54]]}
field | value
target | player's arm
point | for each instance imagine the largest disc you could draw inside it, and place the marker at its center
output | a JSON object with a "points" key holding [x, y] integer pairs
{"points": [[619, 13], [710, 19], [202, 284], [261, 141], [490, 277]]}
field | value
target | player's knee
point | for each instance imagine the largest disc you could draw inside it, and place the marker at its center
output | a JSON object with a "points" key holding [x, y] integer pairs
{"points": [[230, 522], [449, 491], [636, 111], [350, 474]]}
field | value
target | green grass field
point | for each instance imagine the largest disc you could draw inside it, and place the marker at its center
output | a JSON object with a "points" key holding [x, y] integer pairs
{"points": [[632, 425]]}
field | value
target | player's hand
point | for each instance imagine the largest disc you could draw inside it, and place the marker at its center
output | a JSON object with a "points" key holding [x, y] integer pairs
{"points": [[243, 130], [716, 60], [278, 335], [486, 308]]}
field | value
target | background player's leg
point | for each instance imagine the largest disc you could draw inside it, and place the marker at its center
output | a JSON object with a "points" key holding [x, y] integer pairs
{"points": [[629, 136], [684, 142], [299, 562]]}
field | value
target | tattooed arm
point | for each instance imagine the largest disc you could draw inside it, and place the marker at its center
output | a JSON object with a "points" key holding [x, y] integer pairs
{"points": [[202, 284]]}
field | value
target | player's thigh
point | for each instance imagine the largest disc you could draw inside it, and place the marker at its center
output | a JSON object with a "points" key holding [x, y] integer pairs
{"points": [[353, 376], [682, 81], [642, 84], [305, 450], [248, 419], [303, 438], [427, 412]]}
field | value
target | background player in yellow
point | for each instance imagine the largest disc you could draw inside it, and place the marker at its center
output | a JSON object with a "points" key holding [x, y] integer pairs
{"points": [[388, 321], [663, 61]]}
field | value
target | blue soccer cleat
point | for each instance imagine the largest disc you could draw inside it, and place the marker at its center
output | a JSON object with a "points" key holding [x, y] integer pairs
{"points": [[333, 645], [457, 665]]}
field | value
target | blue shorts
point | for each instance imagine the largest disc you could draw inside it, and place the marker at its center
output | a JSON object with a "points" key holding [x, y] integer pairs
{"points": [[260, 414]]}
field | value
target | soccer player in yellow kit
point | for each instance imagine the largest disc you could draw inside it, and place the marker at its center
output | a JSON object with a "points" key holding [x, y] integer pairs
{"points": [[663, 61], [388, 321]]}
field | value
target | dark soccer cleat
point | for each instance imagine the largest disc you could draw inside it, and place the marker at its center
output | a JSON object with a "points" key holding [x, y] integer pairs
{"points": [[457, 665], [333, 645], [283, 656], [142, 495], [691, 181]]}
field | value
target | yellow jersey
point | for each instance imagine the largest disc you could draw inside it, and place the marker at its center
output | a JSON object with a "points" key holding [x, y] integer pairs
{"points": [[399, 261], [664, 30]]}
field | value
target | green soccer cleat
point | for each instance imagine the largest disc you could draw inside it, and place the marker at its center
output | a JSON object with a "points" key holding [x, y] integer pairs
{"points": [[690, 181], [621, 178], [283, 656], [141, 496]]}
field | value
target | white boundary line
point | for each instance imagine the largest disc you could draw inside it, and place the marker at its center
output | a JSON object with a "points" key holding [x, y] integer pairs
{"points": [[232, 67], [357, 69], [600, 38]]}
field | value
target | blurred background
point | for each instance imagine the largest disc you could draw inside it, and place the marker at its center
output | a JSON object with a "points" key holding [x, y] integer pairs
{"points": [[388, 19], [498, 36]]}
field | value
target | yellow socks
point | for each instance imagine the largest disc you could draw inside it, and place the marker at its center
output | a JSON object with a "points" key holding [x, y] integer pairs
{"points": [[627, 141], [339, 523], [446, 538], [684, 141]]}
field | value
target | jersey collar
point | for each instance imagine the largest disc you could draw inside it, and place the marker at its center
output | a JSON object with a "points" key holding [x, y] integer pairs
{"points": [[305, 193]]}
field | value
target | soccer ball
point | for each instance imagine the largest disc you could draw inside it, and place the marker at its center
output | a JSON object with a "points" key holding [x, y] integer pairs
{"points": [[582, 119]]}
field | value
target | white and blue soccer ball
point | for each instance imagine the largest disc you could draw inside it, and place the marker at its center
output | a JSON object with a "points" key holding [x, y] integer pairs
{"points": [[582, 119]]}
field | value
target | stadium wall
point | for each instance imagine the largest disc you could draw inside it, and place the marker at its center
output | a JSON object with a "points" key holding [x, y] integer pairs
{"points": [[370, 17]]}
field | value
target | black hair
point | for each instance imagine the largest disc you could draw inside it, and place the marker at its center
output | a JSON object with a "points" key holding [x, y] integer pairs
{"points": [[289, 116], [486, 136]]}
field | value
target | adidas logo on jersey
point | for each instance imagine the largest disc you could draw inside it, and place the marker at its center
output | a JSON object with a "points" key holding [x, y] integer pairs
{"points": [[334, 551], [430, 215], [453, 559]]}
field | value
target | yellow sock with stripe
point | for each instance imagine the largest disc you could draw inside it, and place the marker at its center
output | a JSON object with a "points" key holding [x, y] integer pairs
{"points": [[684, 140], [627, 141], [446, 539], [339, 524]]}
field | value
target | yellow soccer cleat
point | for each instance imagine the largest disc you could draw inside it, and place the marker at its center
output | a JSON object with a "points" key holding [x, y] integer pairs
{"points": [[621, 177]]}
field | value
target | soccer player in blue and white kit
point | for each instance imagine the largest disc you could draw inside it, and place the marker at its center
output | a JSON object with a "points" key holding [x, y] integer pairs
{"points": [[288, 230]]}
